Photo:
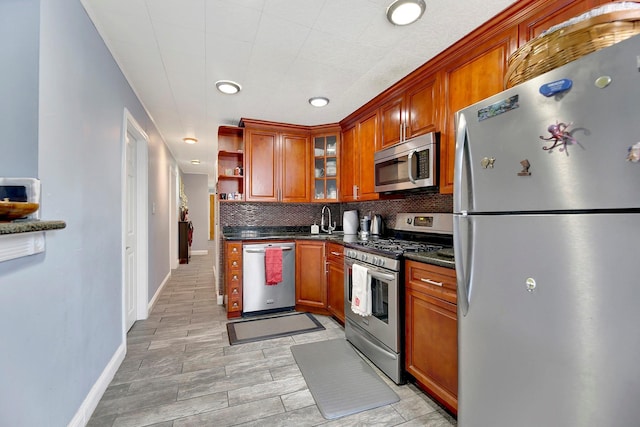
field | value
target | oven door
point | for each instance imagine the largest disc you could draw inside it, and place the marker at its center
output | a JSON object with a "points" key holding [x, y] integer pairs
{"points": [[384, 323]]}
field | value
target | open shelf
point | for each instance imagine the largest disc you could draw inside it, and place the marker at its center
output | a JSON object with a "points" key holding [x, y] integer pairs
{"points": [[230, 163]]}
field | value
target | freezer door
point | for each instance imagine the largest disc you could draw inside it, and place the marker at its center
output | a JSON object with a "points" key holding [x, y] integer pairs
{"points": [[550, 337], [504, 162]]}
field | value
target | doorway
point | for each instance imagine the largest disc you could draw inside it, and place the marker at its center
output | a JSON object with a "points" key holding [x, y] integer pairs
{"points": [[134, 222]]}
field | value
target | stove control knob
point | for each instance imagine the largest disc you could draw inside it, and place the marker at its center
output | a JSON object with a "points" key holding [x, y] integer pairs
{"points": [[374, 260], [364, 258], [380, 262]]}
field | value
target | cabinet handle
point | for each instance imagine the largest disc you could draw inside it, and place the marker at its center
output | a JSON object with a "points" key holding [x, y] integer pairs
{"points": [[234, 250], [235, 291], [431, 282], [234, 264], [234, 278], [234, 305], [336, 253]]}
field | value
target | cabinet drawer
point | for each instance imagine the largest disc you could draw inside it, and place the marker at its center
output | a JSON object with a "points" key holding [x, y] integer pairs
{"points": [[234, 304], [234, 252], [234, 277], [433, 280], [335, 253]]}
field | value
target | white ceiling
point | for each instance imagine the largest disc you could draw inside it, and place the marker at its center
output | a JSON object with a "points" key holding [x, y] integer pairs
{"points": [[282, 52]]}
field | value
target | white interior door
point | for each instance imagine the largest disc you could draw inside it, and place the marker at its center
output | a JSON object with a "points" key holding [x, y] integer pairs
{"points": [[130, 286]]}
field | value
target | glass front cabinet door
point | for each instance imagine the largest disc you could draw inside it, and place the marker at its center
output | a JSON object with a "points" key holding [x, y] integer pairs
{"points": [[325, 170]]}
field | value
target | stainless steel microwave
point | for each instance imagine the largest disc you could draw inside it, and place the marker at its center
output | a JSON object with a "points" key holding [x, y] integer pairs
{"points": [[408, 165]]}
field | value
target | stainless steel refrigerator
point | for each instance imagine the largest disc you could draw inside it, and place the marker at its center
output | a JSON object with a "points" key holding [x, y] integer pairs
{"points": [[547, 245]]}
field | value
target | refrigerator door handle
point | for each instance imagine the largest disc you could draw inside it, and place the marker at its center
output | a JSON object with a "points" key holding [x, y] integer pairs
{"points": [[461, 156], [462, 262]]}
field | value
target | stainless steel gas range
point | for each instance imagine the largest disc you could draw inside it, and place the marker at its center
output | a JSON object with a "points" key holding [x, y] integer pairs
{"points": [[378, 335]]}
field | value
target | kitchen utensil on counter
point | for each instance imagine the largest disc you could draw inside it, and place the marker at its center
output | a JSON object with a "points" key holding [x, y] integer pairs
{"points": [[365, 224], [365, 227], [350, 222], [377, 225]]}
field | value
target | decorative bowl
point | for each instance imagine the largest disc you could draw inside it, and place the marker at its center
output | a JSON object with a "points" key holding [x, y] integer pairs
{"points": [[13, 210]]}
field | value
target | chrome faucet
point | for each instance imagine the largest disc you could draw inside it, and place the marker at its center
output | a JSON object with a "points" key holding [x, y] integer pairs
{"points": [[329, 228]]}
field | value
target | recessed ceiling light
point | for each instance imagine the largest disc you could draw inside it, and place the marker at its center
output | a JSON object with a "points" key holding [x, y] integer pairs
{"points": [[318, 101], [190, 140], [405, 12], [195, 162], [228, 87]]}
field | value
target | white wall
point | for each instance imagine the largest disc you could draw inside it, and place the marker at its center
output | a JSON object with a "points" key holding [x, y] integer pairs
{"points": [[62, 310], [19, 21]]}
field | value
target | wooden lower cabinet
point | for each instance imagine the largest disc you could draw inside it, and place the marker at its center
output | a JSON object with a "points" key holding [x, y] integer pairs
{"points": [[431, 330], [311, 284], [233, 278], [335, 280]]}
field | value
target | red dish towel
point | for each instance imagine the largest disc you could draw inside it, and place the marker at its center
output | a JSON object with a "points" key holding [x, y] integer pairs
{"points": [[273, 265]]}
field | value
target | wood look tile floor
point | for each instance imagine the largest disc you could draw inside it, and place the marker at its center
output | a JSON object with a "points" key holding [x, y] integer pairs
{"points": [[181, 371]]}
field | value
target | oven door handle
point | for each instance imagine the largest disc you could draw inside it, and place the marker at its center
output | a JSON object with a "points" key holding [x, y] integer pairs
{"points": [[379, 275]]}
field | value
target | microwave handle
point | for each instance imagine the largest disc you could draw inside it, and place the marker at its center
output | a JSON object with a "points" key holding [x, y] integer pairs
{"points": [[409, 163]]}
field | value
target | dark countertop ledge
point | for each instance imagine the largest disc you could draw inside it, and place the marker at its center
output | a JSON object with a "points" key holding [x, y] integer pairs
{"points": [[431, 258], [445, 259], [16, 227]]}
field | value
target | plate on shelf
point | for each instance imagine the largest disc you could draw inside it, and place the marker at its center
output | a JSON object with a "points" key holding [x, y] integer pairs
{"points": [[14, 210]]}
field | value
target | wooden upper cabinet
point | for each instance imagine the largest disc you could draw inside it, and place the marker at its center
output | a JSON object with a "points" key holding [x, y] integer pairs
{"points": [[475, 73], [422, 104], [348, 169], [261, 165], [551, 13], [367, 140], [358, 148], [296, 160], [278, 164], [325, 179], [410, 114], [391, 122]]}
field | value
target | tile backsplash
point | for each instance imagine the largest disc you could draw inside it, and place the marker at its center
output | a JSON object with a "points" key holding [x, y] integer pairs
{"points": [[302, 214], [246, 214]]}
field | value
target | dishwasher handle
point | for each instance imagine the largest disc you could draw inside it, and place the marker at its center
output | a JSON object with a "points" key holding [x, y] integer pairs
{"points": [[261, 251]]}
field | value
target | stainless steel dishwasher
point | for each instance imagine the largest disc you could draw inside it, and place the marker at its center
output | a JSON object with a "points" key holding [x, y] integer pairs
{"points": [[257, 296]]}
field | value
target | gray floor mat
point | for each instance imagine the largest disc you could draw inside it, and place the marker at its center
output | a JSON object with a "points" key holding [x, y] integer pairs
{"points": [[339, 380], [272, 327]]}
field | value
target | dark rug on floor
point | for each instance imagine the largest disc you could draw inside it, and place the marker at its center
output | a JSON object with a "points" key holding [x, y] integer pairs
{"points": [[339, 380], [272, 327]]}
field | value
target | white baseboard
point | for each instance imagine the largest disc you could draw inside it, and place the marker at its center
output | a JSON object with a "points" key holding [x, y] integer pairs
{"points": [[200, 252], [97, 391], [157, 294]]}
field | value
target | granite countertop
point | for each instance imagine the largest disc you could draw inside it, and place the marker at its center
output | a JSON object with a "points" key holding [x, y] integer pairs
{"points": [[28, 226], [339, 237], [442, 258]]}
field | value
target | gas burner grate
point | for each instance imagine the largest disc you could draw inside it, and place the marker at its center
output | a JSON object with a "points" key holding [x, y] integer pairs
{"points": [[398, 247]]}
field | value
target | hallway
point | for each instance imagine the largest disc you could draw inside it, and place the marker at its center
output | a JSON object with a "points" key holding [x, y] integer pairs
{"points": [[181, 371]]}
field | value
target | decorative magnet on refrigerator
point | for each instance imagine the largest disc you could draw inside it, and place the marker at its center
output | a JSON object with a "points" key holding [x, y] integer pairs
{"points": [[634, 153], [560, 137]]}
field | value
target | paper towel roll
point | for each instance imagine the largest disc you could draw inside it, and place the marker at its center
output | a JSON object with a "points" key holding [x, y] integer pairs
{"points": [[350, 222]]}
